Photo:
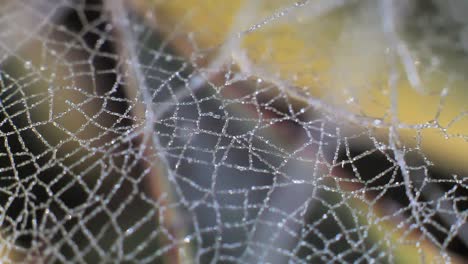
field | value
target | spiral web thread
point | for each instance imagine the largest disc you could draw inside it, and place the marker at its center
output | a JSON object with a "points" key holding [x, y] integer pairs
{"points": [[115, 147]]}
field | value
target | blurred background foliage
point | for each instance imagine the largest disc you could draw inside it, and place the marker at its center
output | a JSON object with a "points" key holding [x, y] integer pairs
{"points": [[305, 112]]}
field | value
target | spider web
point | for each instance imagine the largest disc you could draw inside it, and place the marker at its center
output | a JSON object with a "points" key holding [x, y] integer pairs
{"points": [[126, 139]]}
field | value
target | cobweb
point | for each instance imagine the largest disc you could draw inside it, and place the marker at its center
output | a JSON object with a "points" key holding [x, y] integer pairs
{"points": [[128, 135]]}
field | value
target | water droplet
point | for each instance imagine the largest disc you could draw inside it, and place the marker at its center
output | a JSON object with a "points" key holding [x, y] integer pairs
{"points": [[444, 92], [108, 27], [27, 65], [129, 231], [382, 147], [100, 42], [241, 168], [187, 239], [325, 216], [350, 100]]}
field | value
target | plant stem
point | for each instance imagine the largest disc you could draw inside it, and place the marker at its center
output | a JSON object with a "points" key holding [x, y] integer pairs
{"points": [[159, 177]]}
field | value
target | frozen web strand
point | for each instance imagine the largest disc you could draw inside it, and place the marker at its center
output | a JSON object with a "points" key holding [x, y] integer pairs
{"points": [[136, 153], [390, 26], [164, 176]]}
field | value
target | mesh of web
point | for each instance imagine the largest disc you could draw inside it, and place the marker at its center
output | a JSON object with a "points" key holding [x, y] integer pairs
{"points": [[115, 148]]}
